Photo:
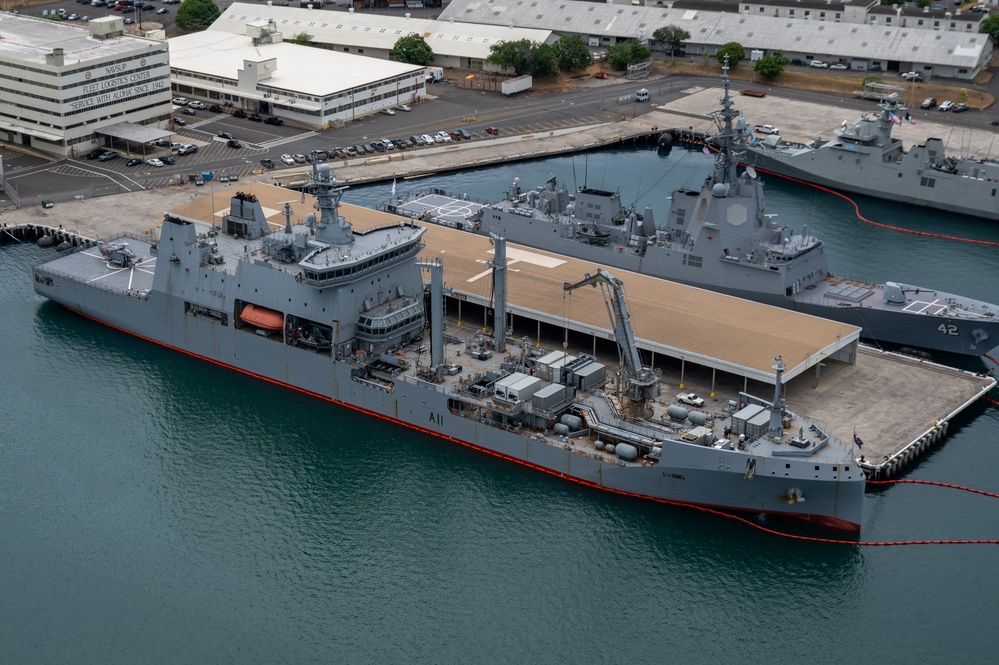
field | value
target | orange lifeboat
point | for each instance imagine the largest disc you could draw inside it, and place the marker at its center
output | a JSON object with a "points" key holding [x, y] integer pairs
{"points": [[262, 317]]}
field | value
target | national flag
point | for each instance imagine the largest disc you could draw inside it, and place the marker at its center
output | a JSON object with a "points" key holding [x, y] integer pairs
{"points": [[303, 197], [909, 119], [856, 440], [393, 186], [894, 118], [707, 151]]}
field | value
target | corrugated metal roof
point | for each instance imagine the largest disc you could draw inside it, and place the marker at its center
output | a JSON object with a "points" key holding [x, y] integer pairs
{"points": [[845, 40], [467, 40]]}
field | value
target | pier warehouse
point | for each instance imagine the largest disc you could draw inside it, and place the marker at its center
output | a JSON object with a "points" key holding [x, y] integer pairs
{"points": [[892, 48], [259, 73], [65, 88], [455, 43]]}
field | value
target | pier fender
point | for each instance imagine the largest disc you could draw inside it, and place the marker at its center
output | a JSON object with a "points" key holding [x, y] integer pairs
{"points": [[63, 246], [46, 241], [665, 140]]}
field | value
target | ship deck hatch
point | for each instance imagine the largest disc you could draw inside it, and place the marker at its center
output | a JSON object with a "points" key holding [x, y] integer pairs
{"points": [[850, 293]]}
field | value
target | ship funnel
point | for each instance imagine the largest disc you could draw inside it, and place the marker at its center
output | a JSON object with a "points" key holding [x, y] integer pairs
{"points": [[499, 288]]}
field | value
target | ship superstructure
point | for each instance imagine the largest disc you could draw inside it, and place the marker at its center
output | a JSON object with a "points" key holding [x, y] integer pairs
{"points": [[346, 315], [721, 237]]}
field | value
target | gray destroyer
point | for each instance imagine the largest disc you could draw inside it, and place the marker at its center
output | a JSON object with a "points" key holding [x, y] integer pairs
{"points": [[344, 315], [864, 158], [719, 237]]}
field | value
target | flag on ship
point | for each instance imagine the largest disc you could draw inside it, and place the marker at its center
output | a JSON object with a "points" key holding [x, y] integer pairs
{"points": [[894, 118], [856, 440], [393, 186], [707, 151], [909, 119]]}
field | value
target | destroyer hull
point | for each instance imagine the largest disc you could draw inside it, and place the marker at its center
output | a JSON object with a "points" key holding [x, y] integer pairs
{"points": [[889, 324], [950, 192], [685, 474]]}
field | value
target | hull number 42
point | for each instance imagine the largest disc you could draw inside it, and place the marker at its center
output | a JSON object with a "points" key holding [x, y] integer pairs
{"points": [[948, 329]]}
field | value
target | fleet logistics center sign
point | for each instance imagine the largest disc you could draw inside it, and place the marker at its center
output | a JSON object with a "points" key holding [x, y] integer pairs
{"points": [[119, 81]]}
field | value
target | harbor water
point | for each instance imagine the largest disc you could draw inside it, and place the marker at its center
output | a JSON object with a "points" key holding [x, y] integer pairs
{"points": [[156, 508]]}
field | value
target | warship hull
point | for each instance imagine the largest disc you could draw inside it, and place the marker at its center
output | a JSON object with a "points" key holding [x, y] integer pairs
{"points": [[925, 320], [951, 192], [686, 476]]}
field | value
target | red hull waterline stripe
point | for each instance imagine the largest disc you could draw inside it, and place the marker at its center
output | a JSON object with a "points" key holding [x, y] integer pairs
{"points": [[830, 522]]}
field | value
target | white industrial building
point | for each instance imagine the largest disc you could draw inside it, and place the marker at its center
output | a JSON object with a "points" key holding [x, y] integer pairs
{"points": [[256, 71], [455, 43], [66, 89], [896, 48]]}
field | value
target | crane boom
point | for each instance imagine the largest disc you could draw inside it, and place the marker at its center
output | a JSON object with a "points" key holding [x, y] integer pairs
{"points": [[643, 381]]}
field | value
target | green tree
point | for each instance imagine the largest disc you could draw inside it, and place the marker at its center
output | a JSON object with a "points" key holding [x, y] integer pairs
{"points": [[413, 49], [626, 53], [525, 57], [734, 51], [195, 15], [302, 39], [572, 54], [923, 4], [771, 65], [672, 37], [990, 26]]}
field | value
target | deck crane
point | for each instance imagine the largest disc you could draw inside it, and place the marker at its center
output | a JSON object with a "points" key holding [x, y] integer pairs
{"points": [[643, 382]]}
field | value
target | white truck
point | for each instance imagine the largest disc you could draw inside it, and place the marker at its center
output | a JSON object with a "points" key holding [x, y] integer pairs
{"points": [[690, 399], [766, 129], [435, 74], [511, 87]]}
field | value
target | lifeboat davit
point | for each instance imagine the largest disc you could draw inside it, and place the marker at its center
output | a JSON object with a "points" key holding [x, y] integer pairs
{"points": [[261, 317]]}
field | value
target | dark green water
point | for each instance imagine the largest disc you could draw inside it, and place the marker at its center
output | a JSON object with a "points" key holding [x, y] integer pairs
{"points": [[155, 508]]}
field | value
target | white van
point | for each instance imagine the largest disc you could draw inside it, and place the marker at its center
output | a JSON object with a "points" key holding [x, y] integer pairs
{"points": [[642, 95]]}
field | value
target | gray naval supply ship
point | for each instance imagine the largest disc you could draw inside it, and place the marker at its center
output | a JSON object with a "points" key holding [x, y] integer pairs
{"points": [[864, 158], [342, 315], [720, 238]]}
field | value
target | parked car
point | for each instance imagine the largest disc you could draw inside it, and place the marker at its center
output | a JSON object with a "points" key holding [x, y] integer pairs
{"points": [[287, 159], [271, 120], [255, 117], [428, 139], [107, 155], [876, 67], [387, 111], [135, 161], [818, 64], [838, 66], [417, 140], [234, 143], [389, 145], [403, 107], [351, 151], [912, 76], [129, 21], [442, 137], [378, 146], [465, 134], [928, 103], [455, 136], [267, 163], [180, 101], [946, 106], [960, 108], [168, 159], [215, 108], [187, 149], [179, 121], [154, 162], [197, 105], [95, 153], [299, 158], [494, 131], [162, 10], [187, 110], [239, 113], [226, 135]]}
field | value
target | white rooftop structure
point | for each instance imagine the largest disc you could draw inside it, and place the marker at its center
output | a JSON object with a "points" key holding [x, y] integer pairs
{"points": [[260, 73], [955, 54], [455, 43]]}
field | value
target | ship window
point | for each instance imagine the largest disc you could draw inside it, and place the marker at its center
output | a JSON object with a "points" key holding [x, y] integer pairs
{"points": [[787, 466], [816, 467]]}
